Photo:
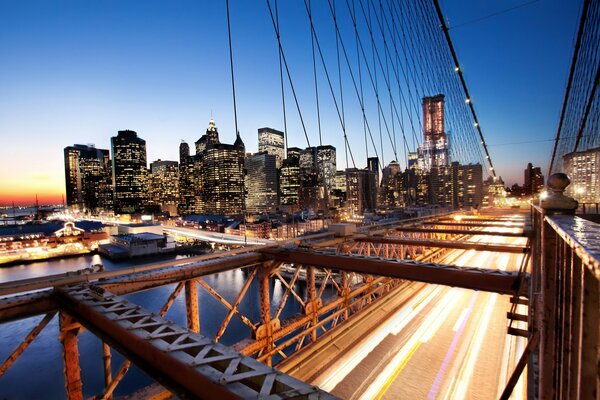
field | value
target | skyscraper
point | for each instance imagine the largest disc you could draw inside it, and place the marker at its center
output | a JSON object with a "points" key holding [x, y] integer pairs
{"points": [[373, 181], [390, 193], [534, 180], [163, 185], [221, 168], [187, 187], [358, 199], [261, 183], [129, 171], [326, 168], [271, 141], [88, 178], [289, 183], [435, 145]]}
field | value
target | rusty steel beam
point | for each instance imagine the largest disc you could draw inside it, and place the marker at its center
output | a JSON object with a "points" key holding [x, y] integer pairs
{"points": [[298, 321], [106, 358], [82, 276], [28, 305], [70, 352], [25, 343], [449, 244], [190, 365], [524, 233], [521, 364], [147, 280], [475, 224], [235, 305], [225, 303], [465, 277], [192, 310], [24, 306], [482, 219]]}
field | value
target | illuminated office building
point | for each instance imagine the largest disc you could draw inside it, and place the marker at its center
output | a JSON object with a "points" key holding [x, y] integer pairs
{"points": [[187, 183], [289, 183], [220, 173], [129, 171], [435, 144], [87, 177], [390, 191], [261, 183], [164, 185], [583, 168], [271, 141]]}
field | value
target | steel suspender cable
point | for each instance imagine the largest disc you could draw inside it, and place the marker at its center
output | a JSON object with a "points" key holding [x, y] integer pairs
{"points": [[327, 76], [231, 68], [312, 45], [285, 132], [242, 188], [287, 70], [584, 12], [464, 84]]}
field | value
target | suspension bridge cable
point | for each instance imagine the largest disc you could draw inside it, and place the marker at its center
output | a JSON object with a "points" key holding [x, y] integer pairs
{"points": [[339, 71], [332, 91], [285, 131], [312, 44], [287, 71], [584, 12], [464, 84], [231, 67], [370, 74]]}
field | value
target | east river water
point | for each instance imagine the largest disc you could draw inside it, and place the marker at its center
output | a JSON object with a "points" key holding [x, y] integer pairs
{"points": [[38, 373]]}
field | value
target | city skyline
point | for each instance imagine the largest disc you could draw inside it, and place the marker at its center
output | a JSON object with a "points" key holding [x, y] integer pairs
{"points": [[64, 103]]}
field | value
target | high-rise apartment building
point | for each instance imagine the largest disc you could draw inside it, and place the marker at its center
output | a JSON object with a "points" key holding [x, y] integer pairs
{"points": [[163, 187], [261, 183], [435, 144], [271, 141], [583, 168], [129, 171], [533, 180], [88, 178]]}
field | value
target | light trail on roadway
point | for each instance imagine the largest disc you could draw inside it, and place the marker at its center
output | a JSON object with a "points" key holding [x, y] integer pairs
{"points": [[445, 343]]}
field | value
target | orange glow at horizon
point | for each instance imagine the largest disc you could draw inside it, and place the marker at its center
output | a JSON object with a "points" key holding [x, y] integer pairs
{"points": [[22, 190]]}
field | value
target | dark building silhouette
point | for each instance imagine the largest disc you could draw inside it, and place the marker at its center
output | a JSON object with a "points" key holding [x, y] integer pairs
{"points": [[129, 171], [187, 187], [88, 178], [534, 180]]}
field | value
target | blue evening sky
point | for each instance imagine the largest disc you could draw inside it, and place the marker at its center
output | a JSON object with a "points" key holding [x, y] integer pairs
{"points": [[79, 71]]}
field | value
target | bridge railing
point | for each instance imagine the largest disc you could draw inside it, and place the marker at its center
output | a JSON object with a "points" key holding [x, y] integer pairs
{"points": [[564, 307]]}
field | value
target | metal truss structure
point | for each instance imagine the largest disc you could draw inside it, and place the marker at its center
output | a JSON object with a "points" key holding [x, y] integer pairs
{"points": [[343, 277]]}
